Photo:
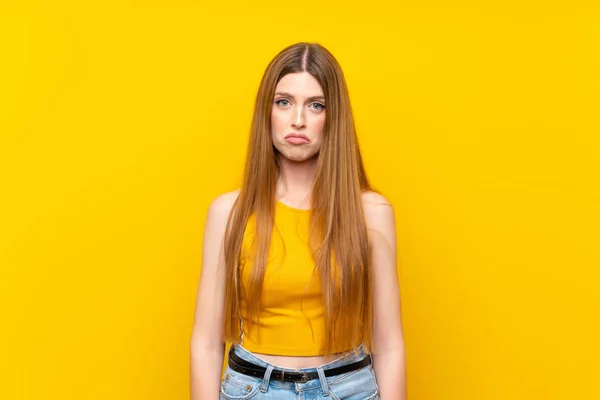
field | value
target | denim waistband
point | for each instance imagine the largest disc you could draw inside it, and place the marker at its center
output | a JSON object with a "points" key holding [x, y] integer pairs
{"points": [[351, 357]]}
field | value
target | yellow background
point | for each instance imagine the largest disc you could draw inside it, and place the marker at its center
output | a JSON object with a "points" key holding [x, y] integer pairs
{"points": [[121, 120]]}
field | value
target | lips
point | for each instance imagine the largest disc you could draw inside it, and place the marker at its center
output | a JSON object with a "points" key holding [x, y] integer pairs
{"points": [[297, 138]]}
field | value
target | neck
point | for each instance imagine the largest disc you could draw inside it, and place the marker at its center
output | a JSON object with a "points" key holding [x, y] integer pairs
{"points": [[295, 180]]}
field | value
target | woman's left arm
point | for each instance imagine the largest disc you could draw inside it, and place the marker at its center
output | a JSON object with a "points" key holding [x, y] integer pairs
{"points": [[389, 361]]}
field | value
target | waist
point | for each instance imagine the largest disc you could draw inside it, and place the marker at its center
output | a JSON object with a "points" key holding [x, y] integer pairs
{"points": [[300, 362], [296, 362]]}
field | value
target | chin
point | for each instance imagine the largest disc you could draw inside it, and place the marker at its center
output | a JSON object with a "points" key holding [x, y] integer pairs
{"points": [[301, 158], [296, 154], [295, 158]]}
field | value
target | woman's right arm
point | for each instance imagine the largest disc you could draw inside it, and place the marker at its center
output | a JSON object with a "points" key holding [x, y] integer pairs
{"points": [[207, 347]]}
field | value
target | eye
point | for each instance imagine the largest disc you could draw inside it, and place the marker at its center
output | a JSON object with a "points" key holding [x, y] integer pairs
{"points": [[320, 106], [279, 102]]}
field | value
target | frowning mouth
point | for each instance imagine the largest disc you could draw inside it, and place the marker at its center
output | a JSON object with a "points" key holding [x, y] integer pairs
{"points": [[297, 138]]}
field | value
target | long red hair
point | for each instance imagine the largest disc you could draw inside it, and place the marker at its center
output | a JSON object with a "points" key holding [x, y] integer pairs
{"points": [[337, 220]]}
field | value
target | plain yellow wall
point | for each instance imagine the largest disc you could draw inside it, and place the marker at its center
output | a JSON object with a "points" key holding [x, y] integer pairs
{"points": [[121, 120]]}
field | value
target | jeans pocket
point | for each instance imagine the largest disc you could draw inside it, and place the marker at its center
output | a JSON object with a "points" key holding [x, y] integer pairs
{"points": [[374, 379], [236, 386], [355, 385]]}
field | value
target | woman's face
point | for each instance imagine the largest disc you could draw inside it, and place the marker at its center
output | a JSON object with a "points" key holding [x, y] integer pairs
{"points": [[298, 116]]}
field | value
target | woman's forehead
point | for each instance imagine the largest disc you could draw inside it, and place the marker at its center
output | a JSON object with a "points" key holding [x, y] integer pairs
{"points": [[300, 84]]}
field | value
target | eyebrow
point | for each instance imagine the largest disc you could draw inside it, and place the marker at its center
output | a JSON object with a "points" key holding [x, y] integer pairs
{"points": [[310, 98]]}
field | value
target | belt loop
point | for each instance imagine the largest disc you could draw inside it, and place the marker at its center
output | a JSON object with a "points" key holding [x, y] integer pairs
{"points": [[323, 379], [266, 379]]}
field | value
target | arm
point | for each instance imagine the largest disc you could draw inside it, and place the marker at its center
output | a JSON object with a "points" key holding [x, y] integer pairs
{"points": [[207, 347], [389, 354]]}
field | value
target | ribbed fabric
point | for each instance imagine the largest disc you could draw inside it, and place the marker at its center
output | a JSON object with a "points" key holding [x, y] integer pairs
{"points": [[291, 282]]}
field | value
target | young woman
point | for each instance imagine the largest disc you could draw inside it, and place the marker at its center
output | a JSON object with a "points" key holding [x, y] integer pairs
{"points": [[299, 263]]}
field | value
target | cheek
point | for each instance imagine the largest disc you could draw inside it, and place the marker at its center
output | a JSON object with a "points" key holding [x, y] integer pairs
{"points": [[319, 123], [276, 119]]}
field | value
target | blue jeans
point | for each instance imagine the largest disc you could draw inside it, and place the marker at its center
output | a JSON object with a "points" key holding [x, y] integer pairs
{"points": [[359, 384]]}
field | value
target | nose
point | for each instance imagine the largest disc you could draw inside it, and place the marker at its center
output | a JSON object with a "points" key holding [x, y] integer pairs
{"points": [[298, 119]]}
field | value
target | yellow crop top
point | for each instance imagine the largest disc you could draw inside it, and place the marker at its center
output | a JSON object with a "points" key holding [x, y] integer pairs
{"points": [[285, 329]]}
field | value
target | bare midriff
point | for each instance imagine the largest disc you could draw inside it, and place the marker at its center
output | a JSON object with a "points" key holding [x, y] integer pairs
{"points": [[295, 362]]}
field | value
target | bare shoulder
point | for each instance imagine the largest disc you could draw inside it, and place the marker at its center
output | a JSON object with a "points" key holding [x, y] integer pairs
{"points": [[374, 198], [218, 211], [379, 216], [376, 206], [222, 204]]}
